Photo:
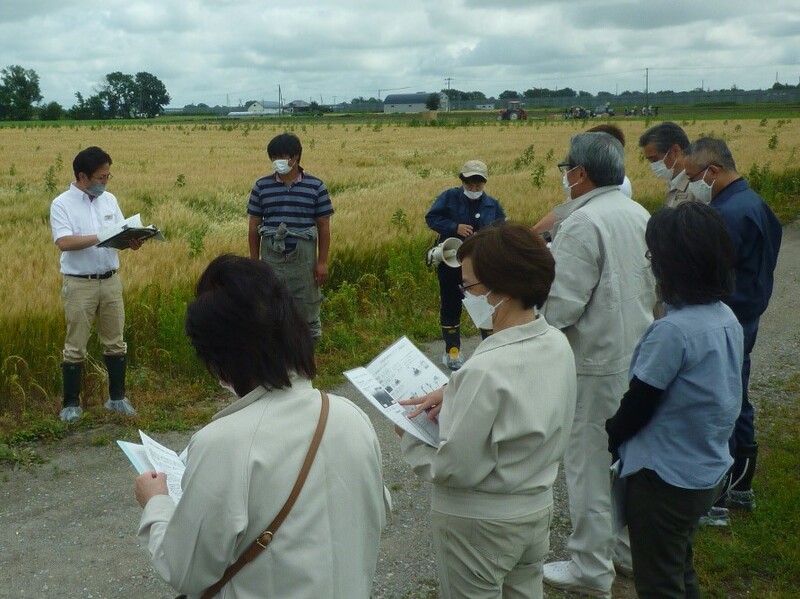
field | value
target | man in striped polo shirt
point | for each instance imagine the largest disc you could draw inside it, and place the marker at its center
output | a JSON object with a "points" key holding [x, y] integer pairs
{"points": [[289, 226]]}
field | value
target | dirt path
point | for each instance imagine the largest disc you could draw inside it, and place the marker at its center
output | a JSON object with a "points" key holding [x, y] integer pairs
{"points": [[67, 527]]}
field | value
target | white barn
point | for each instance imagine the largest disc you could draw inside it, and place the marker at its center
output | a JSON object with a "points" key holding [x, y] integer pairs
{"points": [[394, 103]]}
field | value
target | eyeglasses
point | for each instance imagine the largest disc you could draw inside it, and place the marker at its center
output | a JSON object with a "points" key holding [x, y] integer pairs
{"points": [[702, 172], [463, 288], [564, 167], [103, 178]]}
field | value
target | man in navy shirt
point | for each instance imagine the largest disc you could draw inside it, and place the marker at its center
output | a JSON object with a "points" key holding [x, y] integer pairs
{"points": [[289, 226], [756, 234], [460, 212]]}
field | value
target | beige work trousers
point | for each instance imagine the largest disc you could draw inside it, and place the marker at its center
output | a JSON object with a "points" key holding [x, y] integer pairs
{"points": [[586, 468], [87, 301], [491, 559]]}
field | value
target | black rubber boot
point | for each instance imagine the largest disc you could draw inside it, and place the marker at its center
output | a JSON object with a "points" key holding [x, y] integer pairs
{"points": [[452, 347], [452, 337], [741, 494], [71, 375], [116, 376]]}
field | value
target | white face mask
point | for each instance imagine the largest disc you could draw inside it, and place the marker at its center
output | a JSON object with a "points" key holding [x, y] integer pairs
{"points": [[473, 195], [480, 310], [565, 183], [661, 170], [700, 189], [281, 166]]}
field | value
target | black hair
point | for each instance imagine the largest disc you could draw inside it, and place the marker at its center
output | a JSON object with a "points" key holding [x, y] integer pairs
{"points": [[511, 259], [692, 254], [285, 144], [88, 161], [664, 136], [245, 327]]}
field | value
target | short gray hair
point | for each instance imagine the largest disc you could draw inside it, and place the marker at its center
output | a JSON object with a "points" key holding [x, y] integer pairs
{"points": [[601, 155], [664, 136], [709, 150]]}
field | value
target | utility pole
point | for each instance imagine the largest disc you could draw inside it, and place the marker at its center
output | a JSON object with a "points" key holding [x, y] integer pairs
{"points": [[280, 101], [646, 86]]}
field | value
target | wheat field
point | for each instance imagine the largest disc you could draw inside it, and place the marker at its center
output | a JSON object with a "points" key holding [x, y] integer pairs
{"points": [[193, 180]]}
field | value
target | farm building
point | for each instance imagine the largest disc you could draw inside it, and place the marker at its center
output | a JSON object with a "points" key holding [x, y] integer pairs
{"points": [[253, 108], [394, 103]]}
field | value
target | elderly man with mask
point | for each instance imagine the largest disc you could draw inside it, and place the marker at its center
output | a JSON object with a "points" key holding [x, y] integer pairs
{"points": [[663, 146], [756, 233], [602, 299]]}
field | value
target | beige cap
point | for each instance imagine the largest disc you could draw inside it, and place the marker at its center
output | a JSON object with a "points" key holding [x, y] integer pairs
{"points": [[474, 168]]}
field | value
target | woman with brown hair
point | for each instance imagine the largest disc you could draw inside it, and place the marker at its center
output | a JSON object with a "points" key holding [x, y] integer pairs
{"points": [[504, 420]]}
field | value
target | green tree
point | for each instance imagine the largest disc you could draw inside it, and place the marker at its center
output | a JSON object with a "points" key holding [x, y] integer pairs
{"points": [[92, 107], [19, 90], [509, 94], [52, 111], [151, 94], [432, 101], [119, 94]]}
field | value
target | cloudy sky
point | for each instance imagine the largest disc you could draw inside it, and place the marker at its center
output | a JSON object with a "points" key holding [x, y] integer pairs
{"points": [[227, 51]]}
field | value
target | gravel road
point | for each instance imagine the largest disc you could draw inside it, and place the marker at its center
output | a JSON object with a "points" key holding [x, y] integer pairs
{"points": [[67, 527]]}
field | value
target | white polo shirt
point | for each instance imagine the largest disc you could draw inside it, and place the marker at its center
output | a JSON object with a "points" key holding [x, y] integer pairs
{"points": [[73, 213]]}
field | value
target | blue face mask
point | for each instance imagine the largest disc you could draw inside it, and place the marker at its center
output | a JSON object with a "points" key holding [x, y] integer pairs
{"points": [[96, 189]]}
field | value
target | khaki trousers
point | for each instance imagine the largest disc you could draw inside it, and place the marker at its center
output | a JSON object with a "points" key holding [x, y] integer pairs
{"points": [[296, 270], [87, 301], [491, 559], [586, 467]]}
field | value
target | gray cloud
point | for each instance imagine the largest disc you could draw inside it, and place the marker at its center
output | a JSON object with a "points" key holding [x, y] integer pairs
{"points": [[220, 50]]}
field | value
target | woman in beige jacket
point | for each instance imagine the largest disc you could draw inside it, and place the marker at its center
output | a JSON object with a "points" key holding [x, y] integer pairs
{"points": [[504, 421], [241, 467]]}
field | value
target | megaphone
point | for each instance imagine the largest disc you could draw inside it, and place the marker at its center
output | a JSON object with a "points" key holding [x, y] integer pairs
{"points": [[444, 252]]}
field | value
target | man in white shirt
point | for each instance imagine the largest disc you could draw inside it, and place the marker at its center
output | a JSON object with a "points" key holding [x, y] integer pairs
{"points": [[92, 289], [663, 146], [602, 299]]}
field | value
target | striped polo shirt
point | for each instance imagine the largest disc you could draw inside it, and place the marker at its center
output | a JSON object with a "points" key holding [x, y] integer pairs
{"points": [[298, 206]]}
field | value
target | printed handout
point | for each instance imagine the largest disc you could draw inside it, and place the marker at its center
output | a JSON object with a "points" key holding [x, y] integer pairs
{"points": [[401, 371], [152, 456]]}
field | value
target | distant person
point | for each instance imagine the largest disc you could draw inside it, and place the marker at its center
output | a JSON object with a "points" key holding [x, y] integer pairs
{"points": [[504, 421], [92, 288], [663, 146], [289, 226], [602, 298], [756, 235], [240, 468], [672, 427], [460, 212], [549, 223]]}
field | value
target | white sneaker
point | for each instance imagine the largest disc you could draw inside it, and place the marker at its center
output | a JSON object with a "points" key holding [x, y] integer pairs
{"points": [[716, 516], [70, 414], [121, 406], [559, 575]]}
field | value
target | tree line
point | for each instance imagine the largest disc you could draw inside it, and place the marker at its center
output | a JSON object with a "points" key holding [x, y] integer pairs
{"points": [[142, 95]]}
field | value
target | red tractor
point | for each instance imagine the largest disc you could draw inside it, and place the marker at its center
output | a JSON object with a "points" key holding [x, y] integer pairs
{"points": [[514, 112]]}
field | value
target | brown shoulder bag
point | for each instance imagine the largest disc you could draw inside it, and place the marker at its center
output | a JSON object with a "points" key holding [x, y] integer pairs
{"points": [[266, 537]]}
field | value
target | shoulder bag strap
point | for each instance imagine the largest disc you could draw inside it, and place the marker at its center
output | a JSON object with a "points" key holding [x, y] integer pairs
{"points": [[266, 537]]}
